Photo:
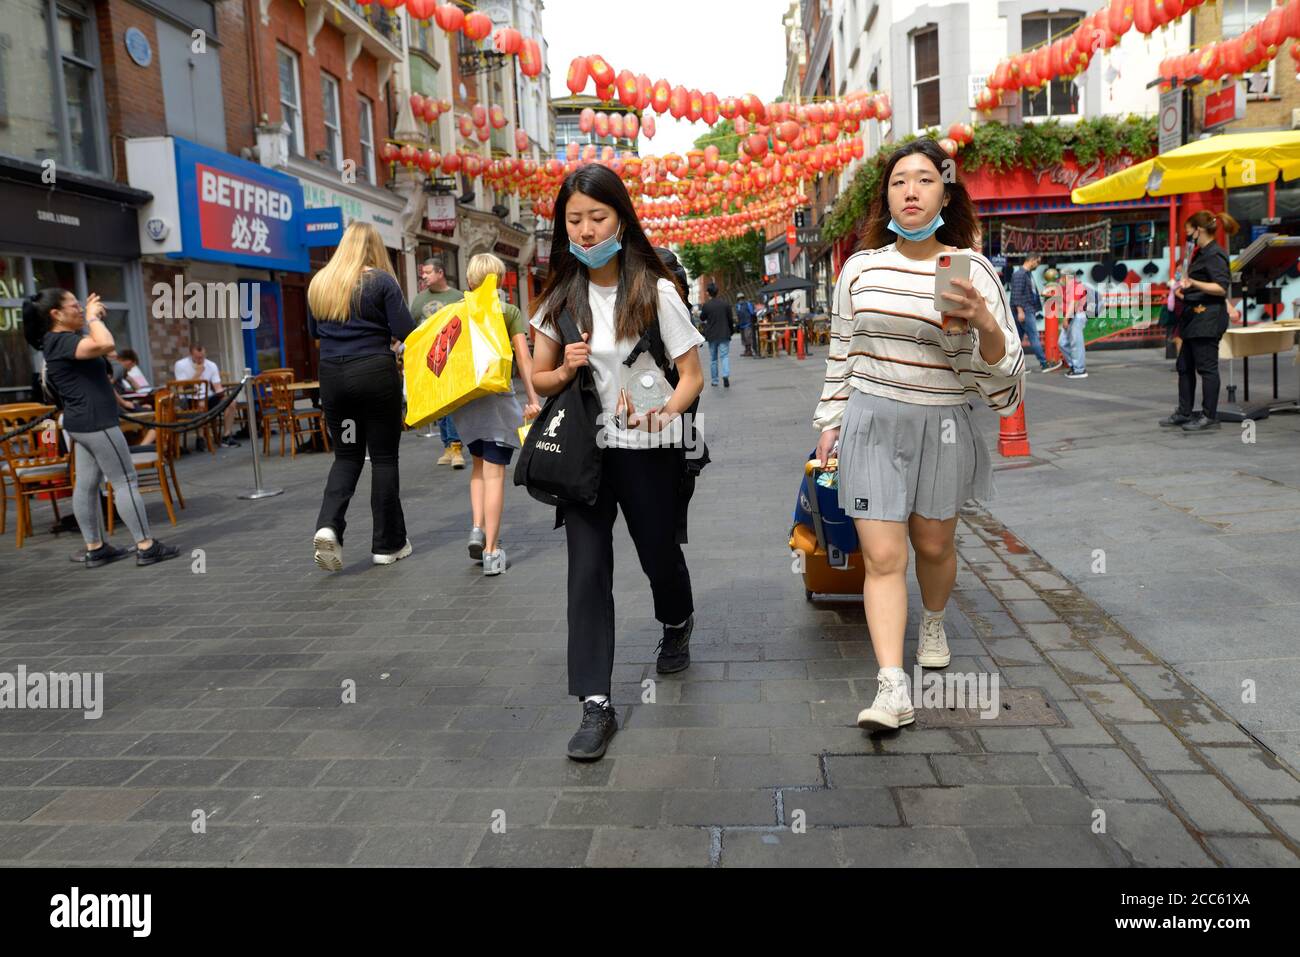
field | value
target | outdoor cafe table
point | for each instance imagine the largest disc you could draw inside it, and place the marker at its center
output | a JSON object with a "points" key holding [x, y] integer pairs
{"points": [[1261, 339]]}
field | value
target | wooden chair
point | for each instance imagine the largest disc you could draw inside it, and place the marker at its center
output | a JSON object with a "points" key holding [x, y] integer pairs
{"points": [[766, 339], [153, 468], [292, 421], [263, 400], [33, 463], [192, 397]]}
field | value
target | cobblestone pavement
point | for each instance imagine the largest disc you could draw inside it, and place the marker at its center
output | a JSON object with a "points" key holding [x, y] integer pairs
{"points": [[224, 694]]}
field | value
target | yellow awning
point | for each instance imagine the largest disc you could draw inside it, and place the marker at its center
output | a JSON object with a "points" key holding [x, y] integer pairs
{"points": [[1248, 158]]}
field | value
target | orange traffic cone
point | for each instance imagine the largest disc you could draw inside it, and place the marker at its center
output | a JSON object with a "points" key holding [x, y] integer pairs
{"points": [[1013, 436]]}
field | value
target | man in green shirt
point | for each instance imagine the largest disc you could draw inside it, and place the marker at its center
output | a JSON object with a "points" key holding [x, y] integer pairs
{"points": [[435, 295]]}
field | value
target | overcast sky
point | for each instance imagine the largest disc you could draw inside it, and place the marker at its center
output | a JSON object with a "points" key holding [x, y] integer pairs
{"points": [[729, 47]]}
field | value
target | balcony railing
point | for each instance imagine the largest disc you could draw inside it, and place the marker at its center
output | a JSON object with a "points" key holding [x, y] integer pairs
{"points": [[386, 24]]}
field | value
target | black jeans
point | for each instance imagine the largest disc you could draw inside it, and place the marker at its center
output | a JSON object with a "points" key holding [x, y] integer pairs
{"points": [[644, 483], [1199, 356], [362, 400]]}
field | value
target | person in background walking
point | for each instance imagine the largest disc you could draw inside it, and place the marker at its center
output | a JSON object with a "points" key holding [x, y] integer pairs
{"points": [[1026, 306], [435, 294], [1204, 320], [489, 426], [717, 320], [77, 368], [355, 308], [745, 319], [1080, 303]]}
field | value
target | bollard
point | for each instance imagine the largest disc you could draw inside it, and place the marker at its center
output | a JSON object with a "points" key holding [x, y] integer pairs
{"points": [[1051, 330], [251, 399], [1013, 436], [802, 355]]}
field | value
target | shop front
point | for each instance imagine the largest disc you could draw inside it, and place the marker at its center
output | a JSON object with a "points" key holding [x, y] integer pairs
{"points": [[73, 232], [220, 237], [437, 236], [1123, 249]]}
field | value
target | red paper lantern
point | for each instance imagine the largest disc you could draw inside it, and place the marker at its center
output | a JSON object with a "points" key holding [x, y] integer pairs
{"points": [[1291, 19], [741, 125], [694, 106], [426, 159], [601, 71], [626, 88], [631, 126], [616, 125], [648, 126], [660, 96], [449, 16], [571, 151], [679, 102], [948, 145], [587, 120], [530, 58], [961, 132], [1167, 11], [729, 107], [589, 153], [483, 134], [1119, 16], [602, 124], [643, 91], [1144, 16], [432, 109], [576, 80], [477, 26], [1272, 32], [1211, 65], [465, 125], [521, 141], [421, 9], [1055, 60], [497, 116], [756, 145], [508, 40], [605, 93], [417, 105], [407, 155], [390, 152]]}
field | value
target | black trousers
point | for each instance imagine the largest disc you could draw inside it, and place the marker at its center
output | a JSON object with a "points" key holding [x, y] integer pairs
{"points": [[362, 400], [1199, 356], [644, 483]]}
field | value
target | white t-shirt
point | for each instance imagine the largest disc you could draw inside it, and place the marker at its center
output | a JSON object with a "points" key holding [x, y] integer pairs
{"points": [[607, 354], [184, 369], [137, 379]]}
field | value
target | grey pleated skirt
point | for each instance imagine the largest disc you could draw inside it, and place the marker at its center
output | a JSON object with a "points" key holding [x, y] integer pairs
{"points": [[899, 458]]}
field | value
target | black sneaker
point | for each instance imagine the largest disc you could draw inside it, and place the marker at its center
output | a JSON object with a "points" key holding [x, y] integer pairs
{"points": [[1202, 424], [726, 382], [675, 648], [229, 443], [599, 722], [1175, 420], [157, 552], [103, 555]]}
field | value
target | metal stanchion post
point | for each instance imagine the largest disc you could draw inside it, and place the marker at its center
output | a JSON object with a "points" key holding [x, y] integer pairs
{"points": [[258, 491]]}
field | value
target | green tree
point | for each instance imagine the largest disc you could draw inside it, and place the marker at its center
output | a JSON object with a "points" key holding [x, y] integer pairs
{"points": [[723, 135], [725, 260]]}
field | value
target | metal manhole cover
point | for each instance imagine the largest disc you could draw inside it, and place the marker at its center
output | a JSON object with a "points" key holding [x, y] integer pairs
{"points": [[1016, 708]]}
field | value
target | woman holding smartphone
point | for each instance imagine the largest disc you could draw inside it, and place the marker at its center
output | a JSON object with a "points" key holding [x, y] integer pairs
{"points": [[898, 378]]}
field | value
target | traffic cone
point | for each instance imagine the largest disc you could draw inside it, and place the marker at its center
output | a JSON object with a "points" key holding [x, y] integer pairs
{"points": [[1052, 347], [1013, 436]]}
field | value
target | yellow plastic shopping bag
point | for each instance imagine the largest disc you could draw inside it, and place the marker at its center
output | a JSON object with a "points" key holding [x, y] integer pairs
{"points": [[458, 354]]}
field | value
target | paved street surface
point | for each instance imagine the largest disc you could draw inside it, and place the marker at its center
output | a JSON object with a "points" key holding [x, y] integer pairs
{"points": [[1120, 738]]}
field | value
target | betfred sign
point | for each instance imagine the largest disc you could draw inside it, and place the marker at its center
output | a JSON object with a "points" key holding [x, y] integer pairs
{"points": [[1225, 106]]}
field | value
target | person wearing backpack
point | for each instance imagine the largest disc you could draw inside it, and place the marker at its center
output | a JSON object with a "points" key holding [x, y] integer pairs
{"points": [[609, 299]]}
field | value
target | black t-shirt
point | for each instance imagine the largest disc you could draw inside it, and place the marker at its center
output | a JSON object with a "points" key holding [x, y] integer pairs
{"points": [[82, 384], [1205, 315], [716, 317], [378, 316]]}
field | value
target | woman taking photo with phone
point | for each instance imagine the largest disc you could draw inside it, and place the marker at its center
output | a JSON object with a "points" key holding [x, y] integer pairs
{"points": [[613, 286], [355, 308], [75, 345], [898, 378], [1202, 320]]}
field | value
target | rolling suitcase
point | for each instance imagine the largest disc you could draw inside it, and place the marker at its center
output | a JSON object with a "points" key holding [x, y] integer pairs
{"points": [[823, 540]]}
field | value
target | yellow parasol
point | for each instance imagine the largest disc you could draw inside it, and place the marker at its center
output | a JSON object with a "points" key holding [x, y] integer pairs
{"points": [[1248, 159]]}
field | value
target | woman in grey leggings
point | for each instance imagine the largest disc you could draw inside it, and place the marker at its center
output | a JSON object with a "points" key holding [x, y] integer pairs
{"points": [[76, 368]]}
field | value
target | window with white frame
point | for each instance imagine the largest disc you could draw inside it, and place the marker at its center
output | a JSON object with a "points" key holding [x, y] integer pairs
{"points": [[291, 98], [1060, 97], [925, 77], [329, 98], [1238, 16], [366, 118]]}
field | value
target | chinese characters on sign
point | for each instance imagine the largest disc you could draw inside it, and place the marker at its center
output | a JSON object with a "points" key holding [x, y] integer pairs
{"points": [[240, 215]]}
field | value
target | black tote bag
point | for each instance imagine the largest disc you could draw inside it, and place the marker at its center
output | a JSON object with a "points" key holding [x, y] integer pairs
{"points": [[560, 462]]}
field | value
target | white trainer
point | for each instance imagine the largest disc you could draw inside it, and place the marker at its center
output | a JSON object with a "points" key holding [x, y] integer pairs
{"points": [[329, 553], [932, 652], [892, 708], [395, 557]]}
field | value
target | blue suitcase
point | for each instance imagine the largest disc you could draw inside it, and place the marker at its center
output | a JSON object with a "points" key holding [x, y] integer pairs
{"points": [[826, 538]]}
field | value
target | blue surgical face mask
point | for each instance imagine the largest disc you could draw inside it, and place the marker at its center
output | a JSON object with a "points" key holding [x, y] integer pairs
{"points": [[593, 257], [916, 235]]}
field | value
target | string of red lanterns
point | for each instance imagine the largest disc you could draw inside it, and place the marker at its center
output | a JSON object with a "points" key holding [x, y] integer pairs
{"points": [[475, 26]]}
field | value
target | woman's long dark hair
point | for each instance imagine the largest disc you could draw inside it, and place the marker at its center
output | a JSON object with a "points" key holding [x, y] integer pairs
{"points": [[960, 222], [36, 314], [639, 266]]}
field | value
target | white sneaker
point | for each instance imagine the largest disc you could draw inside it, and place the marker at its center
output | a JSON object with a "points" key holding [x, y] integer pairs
{"points": [[892, 708], [932, 652], [329, 553], [494, 563], [393, 558]]}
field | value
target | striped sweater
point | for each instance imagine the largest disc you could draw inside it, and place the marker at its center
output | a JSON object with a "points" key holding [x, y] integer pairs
{"points": [[887, 339]]}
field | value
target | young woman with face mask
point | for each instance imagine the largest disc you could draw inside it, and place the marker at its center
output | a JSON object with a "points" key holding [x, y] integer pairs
{"points": [[895, 401], [605, 274], [75, 343], [1203, 320]]}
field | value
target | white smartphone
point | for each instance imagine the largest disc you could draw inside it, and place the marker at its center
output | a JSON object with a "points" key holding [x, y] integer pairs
{"points": [[949, 266]]}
